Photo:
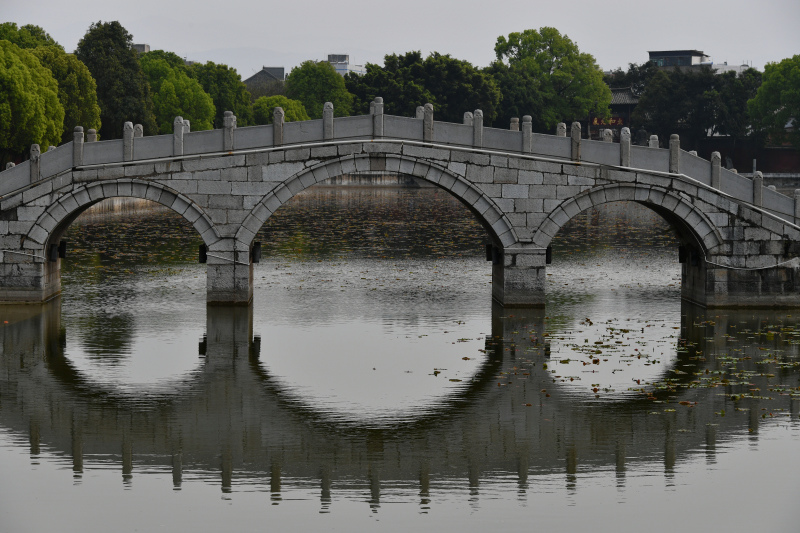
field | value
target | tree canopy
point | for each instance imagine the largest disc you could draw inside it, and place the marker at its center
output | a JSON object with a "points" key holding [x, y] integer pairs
{"points": [[775, 109], [314, 83], [175, 93], [122, 88], [30, 112], [265, 105], [406, 81], [77, 89], [544, 74], [226, 89], [28, 36]]}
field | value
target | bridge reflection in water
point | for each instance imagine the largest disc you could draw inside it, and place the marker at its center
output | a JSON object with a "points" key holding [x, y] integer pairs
{"points": [[231, 422]]}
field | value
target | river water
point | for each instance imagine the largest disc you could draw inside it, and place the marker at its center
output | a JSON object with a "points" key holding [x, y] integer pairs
{"points": [[372, 385]]}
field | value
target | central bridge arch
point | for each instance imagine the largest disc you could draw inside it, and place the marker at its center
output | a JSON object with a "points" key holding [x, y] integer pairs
{"points": [[486, 211]]}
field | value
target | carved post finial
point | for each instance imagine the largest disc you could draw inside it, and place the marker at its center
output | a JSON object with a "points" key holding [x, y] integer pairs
{"points": [[277, 126], [91, 135], [228, 124], [420, 112], [625, 147], [758, 189], [514, 124], [468, 118], [561, 129], [187, 126], [527, 134], [138, 131], [477, 128], [653, 141], [427, 123], [327, 121], [36, 155], [10, 164], [608, 136], [716, 169], [575, 134], [177, 136], [675, 153], [77, 146], [377, 119], [127, 141]]}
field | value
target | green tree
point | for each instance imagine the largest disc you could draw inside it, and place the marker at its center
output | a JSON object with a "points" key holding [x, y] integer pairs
{"points": [[314, 83], [636, 77], [122, 89], [227, 91], [77, 89], [176, 94], [680, 101], [30, 112], [28, 36], [264, 106], [775, 109], [734, 91], [406, 81], [544, 74]]}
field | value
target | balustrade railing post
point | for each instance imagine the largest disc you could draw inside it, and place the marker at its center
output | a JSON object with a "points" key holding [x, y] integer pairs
{"points": [[477, 128], [797, 206], [177, 136], [427, 123], [77, 146], [608, 135], [561, 129], [653, 141], [420, 113], [758, 189], [716, 169], [575, 134], [527, 134], [468, 118], [127, 141], [327, 121], [277, 126], [91, 136], [674, 154], [514, 124], [377, 118], [36, 154], [625, 147], [138, 131], [229, 124]]}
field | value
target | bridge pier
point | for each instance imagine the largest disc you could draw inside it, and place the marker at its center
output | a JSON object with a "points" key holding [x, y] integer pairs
{"points": [[229, 274], [518, 276]]}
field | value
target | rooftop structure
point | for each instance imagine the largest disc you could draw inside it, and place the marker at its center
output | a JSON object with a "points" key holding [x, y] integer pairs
{"points": [[341, 62]]}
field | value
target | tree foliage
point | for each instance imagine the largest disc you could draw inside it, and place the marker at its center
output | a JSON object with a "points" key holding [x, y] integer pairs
{"points": [[265, 105], [544, 74], [314, 83], [636, 77], [30, 112], [226, 89], [28, 36], [77, 89], [122, 88], [175, 93], [696, 103], [406, 81], [775, 109]]}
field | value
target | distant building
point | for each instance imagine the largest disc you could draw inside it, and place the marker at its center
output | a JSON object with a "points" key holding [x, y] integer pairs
{"points": [[719, 68], [341, 62], [264, 79], [683, 59], [141, 48], [623, 102]]}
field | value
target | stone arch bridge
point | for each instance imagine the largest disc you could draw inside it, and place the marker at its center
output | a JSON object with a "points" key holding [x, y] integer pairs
{"points": [[739, 239]]}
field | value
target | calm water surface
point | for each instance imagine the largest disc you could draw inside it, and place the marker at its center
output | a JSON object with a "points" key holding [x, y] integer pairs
{"points": [[372, 385]]}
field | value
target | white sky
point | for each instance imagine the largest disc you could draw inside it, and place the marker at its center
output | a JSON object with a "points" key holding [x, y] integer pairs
{"points": [[249, 34]]}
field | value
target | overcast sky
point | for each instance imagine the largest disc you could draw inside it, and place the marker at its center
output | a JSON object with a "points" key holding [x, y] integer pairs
{"points": [[250, 34]]}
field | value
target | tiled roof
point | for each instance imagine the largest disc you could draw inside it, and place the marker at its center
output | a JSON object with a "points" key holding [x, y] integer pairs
{"points": [[622, 96]]}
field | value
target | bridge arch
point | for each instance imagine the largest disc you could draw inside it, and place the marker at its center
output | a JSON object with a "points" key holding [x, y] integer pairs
{"points": [[59, 216], [486, 211], [686, 218]]}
